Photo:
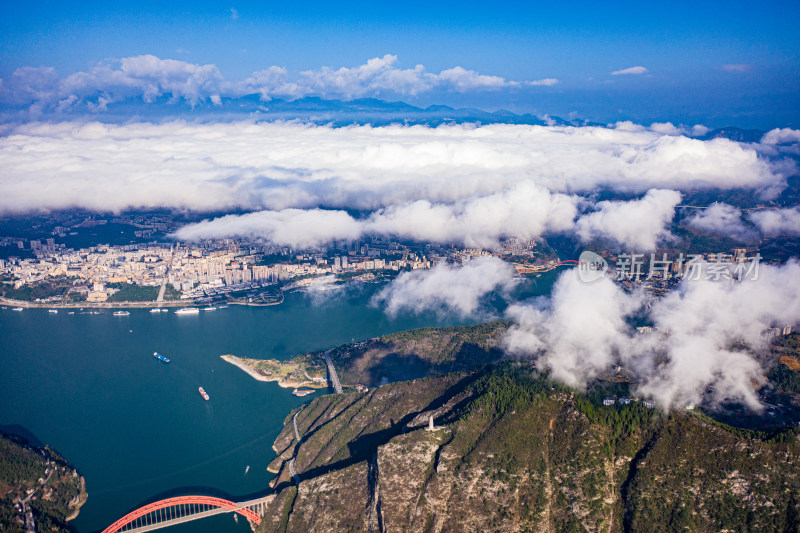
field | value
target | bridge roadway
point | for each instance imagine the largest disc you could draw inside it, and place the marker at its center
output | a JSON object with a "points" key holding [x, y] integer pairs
{"points": [[332, 371], [173, 511]]}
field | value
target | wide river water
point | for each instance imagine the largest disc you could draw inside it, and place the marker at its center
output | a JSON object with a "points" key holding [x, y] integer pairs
{"points": [[137, 429]]}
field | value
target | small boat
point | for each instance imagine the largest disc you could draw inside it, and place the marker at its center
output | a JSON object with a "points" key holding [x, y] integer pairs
{"points": [[121, 313], [222, 307], [17, 309], [203, 393], [246, 470], [187, 311], [155, 310], [71, 313], [302, 392], [54, 311], [210, 308]]}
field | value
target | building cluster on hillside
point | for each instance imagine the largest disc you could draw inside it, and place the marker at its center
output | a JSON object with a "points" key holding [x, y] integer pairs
{"points": [[212, 267], [201, 269]]}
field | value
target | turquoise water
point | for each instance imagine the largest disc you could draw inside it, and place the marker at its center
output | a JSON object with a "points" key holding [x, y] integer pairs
{"points": [[136, 428]]}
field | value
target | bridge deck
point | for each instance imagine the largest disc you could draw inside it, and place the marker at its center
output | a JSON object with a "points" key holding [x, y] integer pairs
{"points": [[332, 371], [179, 513]]}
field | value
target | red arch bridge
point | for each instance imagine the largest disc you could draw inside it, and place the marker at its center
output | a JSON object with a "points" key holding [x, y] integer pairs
{"points": [[172, 511]]}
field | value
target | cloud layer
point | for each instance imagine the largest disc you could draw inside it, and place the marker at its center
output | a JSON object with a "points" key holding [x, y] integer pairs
{"points": [[709, 334], [462, 183], [283, 165]]}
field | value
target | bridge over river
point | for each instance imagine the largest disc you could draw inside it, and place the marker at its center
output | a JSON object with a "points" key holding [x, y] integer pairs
{"points": [[172, 511]]}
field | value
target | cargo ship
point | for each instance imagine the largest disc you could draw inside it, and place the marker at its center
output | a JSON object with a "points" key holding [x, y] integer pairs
{"points": [[203, 393], [187, 311], [160, 357]]}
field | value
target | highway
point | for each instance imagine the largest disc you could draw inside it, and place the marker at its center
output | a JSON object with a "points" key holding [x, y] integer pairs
{"points": [[294, 421]]}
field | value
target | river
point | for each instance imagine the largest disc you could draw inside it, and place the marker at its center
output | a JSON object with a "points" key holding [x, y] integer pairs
{"points": [[137, 428]]}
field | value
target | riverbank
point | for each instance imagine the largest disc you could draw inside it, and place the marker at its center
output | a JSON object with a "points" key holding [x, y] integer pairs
{"points": [[99, 305], [290, 374], [118, 305]]}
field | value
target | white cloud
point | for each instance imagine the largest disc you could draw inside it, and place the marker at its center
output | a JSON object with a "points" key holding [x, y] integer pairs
{"points": [[523, 211], [544, 82], [722, 219], [667, 128], [710, 334], [736, 67], [445, 289], [150, 77], [639, 224], [464, 80], [774, 222], [630, 70], [146, 76], [295, 228], [781, 136], [577, 332], [705, 320], [29, 84]]}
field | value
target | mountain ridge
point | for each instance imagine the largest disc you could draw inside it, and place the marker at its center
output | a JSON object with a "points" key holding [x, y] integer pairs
{"points": [[513, 451]]}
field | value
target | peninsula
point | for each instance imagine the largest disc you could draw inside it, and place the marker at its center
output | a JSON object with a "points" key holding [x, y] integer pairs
{"points": [[287, 374]]}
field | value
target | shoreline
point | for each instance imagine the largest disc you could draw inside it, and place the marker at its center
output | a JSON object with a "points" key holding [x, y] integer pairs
{"points": [[232, 359], [277, 378], [98, 305], [114, 305]]}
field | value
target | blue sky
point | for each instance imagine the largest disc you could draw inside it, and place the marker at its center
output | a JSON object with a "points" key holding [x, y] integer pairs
{"points": [[705, 61]]}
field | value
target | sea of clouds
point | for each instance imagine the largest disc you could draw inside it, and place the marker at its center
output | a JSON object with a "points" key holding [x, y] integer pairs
{"points": [[304, 185], [460, 183]]}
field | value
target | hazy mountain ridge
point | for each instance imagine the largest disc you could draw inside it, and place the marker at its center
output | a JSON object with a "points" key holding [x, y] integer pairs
{"points": [[311, 109], [516, 452]]}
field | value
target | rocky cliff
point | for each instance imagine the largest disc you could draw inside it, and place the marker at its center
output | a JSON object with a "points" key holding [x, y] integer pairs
{"points": [[512, 451]]}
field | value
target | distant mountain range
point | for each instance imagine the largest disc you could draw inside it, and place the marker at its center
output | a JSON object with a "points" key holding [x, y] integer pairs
{"points": [[335, 112]]}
